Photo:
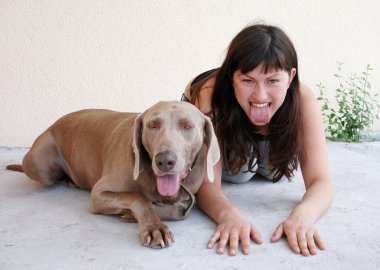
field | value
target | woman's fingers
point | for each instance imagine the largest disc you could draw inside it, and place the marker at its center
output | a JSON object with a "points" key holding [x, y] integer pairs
{"points": [[214, 238], [234, 242], [222, 242], [255, 235], [231, 236], [302, 243], [318, 241], [278, 233], [311, 243], [245, 239], [293, 241], [300, 240]]}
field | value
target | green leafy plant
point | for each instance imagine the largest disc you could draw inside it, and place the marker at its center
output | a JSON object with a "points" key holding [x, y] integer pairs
{"points": [[357, 107]]}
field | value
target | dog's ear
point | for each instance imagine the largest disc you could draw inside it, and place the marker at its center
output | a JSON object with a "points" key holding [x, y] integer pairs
{"points": [[213, 152], [136, 145]]}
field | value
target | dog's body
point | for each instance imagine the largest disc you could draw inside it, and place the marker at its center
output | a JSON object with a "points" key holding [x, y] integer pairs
{"points": [[145, 167]]}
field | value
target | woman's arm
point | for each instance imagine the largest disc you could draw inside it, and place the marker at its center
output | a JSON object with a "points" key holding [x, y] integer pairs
{"points": [[299, 227], [232, 227]]}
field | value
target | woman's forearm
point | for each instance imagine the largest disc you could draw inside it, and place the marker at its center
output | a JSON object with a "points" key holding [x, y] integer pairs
{"points": [[214, 203], [316, 200]]}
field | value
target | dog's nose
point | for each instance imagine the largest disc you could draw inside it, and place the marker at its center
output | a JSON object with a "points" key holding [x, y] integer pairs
{"points": [[166, 161]]}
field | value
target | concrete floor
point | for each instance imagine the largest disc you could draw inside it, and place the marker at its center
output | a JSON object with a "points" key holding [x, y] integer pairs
{"points": [[51, 228]]}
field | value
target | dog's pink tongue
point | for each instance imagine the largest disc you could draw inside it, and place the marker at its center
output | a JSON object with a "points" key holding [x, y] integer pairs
{"points": [[168, 185], [260, 115]]}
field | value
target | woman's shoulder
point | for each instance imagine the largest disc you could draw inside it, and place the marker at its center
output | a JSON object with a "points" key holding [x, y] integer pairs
{"points": [[204, 92], [306, 94], [204, 75], [310, 107], [209, 83]]}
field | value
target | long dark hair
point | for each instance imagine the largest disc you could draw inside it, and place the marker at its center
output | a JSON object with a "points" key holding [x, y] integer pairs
{"points": [[252, 46]]}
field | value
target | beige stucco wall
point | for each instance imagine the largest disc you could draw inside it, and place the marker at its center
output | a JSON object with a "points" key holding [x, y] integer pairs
{"points": [[59, 56]]}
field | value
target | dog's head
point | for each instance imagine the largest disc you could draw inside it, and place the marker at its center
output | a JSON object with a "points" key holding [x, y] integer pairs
{"points": [[173, 133]]}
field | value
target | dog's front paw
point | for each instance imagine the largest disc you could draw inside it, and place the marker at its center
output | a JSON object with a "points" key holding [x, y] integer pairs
{"points": [[156, 236]]}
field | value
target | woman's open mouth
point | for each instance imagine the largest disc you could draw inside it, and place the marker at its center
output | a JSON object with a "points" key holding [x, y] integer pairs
{"points": [[259, 112], [258, 105]]}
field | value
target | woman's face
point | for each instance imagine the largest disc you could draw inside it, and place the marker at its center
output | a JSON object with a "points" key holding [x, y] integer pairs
{"points": [[259, 94]]}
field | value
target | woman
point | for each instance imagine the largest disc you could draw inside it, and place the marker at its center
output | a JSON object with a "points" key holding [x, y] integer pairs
{"points": [[266, 122]]}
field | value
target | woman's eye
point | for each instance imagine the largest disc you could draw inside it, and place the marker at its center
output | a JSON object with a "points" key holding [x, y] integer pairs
{"points": [[247, 81], [273, 81]]}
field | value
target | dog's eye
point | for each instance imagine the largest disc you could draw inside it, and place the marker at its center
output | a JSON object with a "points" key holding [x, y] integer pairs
{"points": [[186, 125], [153, 125]]}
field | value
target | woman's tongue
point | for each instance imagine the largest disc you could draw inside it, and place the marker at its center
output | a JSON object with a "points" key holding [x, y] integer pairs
{"points": [[260, 115]]}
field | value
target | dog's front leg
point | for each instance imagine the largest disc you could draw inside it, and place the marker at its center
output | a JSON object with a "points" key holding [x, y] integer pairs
{"points": [[153, 232]]}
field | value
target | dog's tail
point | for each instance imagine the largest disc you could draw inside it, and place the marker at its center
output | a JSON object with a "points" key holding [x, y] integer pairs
{"points": [[15, 167]]}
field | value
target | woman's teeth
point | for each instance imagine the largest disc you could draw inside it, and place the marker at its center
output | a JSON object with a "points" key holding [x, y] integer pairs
{"points": [[259, 105]]}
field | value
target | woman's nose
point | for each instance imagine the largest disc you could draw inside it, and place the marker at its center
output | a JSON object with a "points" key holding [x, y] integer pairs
{"points": [[260, 93]]}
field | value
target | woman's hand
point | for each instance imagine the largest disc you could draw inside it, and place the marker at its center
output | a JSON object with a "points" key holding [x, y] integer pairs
{"points": [[233, 230], [301, 234]]}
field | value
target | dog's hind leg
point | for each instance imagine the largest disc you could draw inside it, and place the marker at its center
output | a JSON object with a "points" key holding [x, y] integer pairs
{"points": [[128, 216], [43, 162]]}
